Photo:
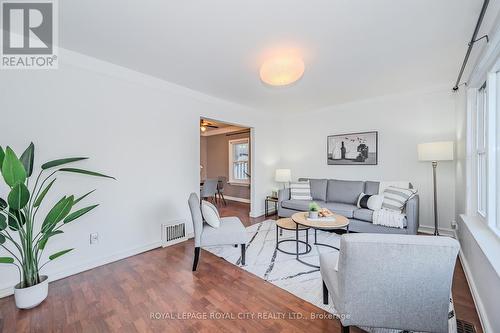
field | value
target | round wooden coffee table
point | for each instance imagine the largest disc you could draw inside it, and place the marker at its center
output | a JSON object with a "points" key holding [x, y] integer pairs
{"points": [[288, 224], [301, 220]]}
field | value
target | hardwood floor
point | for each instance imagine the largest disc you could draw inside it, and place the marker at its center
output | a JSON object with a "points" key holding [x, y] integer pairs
{"points": [[157, 292]]}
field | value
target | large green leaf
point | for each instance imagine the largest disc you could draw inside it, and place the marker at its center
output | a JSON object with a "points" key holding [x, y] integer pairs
{"points": [[78, 213], [58, 254], [18, 196], [83, 197], [13, 223], [85, 172], [42, 195], [57, 213], [6, 260], [2, 239], [12, 169], [45, 238], [27, 159], [2, 156], [62, 161], [3, 222]]}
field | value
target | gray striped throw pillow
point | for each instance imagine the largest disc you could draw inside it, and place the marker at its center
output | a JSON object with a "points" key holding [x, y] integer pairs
{"points": [[300, 191], [395, 198]]}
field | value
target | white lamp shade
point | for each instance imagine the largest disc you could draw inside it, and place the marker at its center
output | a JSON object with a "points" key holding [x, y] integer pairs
{"points": [[436, 151], [283, 175]]}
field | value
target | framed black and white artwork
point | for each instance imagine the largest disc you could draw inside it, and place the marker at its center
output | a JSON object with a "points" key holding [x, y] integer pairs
{"points": [[353, 149]]}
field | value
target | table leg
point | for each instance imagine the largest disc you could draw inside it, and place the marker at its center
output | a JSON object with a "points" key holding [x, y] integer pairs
{"points": [[297, 240], [277, 236]]}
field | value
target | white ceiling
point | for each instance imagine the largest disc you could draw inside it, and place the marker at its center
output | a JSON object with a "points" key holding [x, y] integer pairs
{"points": [[353, 49]]}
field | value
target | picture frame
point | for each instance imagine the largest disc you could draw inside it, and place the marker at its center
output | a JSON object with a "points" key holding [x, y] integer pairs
{"points": [[359, 148]]}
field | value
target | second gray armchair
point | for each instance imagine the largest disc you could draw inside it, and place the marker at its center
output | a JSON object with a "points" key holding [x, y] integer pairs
{"points": [[391, 281]]}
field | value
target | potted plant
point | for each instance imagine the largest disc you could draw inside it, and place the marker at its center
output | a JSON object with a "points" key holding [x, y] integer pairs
{"points": [[23, 229], [314, 210]]}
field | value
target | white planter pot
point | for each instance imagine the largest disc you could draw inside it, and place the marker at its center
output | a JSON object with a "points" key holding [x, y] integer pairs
{"points": [[313, 215], [27, 298]]}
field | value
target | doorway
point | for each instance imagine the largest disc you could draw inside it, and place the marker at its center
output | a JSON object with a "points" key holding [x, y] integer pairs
{"points": [[225, 158]]}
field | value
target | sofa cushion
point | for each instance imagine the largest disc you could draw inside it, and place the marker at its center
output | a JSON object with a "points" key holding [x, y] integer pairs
{"points": [[371, 188], [318, 189], [343, 209], [364, 214], [231, 231], [300, 205], [344, 191]]}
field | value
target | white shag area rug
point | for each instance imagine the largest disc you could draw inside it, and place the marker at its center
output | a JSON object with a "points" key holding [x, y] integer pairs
{"points": [[284, 271]]}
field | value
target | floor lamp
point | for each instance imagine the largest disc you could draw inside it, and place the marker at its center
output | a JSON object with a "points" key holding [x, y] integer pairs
{"points": [[434, 152]]}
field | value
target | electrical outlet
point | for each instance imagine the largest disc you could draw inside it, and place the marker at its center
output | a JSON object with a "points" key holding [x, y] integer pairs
{"points": [[454, 225], [94, 238]]}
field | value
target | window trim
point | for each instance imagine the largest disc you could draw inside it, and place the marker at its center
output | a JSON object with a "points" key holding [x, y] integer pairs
{"points": [[231, 143], [490, 215], [481, 150]]}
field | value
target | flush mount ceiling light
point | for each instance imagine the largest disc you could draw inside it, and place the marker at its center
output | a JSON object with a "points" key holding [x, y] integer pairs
{"points": [[282, 70]]}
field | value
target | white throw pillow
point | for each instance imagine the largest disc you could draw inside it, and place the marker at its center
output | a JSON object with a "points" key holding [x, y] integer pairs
{"points": [[210, 214], [375, 202], [300, 191]]}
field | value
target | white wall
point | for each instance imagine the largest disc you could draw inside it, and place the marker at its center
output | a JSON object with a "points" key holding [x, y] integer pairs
{"points": [[402, 122], [141, 130]]}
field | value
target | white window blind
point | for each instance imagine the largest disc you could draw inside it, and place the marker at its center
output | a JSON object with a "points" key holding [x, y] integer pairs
{"points": [[239, 161]]}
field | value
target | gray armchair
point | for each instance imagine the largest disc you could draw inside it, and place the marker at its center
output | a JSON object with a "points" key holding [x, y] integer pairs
{"points": [[391, 281], [230, 232]]}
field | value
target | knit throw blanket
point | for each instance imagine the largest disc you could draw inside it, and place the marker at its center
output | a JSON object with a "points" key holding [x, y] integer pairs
{"points": [[389, 218]]}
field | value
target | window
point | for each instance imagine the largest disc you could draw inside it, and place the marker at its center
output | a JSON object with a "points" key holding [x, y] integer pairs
{"points": [[239, 172], [485, 152], [481, 150]]}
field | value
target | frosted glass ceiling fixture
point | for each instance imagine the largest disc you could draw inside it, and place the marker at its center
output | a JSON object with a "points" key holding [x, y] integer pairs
{"points": [[282, 70]]}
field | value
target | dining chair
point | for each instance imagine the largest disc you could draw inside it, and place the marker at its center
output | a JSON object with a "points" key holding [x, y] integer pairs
{"points": [[209, 190], [220, 188]]}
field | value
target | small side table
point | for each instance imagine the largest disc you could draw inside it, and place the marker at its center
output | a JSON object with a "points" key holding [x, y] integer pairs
{"points": [[288, 224], [273, 200]]}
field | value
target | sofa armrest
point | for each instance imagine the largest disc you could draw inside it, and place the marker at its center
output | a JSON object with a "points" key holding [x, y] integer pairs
{"points": [[411, 209], [283, 194]]}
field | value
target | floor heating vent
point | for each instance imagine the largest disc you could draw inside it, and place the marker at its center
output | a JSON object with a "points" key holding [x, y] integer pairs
{"points": [[173, 233], [465, 327]]}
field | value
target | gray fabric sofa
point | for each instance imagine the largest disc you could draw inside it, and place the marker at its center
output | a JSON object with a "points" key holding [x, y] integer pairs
{"points": [[340, 196]]}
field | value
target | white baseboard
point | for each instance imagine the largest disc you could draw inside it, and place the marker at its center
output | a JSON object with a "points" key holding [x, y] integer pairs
{"points": [[237, 199], [443, 231], [475, 296], [257, 214], [91, 264]]}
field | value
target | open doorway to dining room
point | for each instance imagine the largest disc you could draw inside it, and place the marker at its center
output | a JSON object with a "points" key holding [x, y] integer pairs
{"points": [[226, 167]]}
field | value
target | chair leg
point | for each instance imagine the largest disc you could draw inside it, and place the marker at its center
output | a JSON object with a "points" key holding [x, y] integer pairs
{"points": [[196, 257], [243, 249], [325, 293], [223, 199], [345, 329]]}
